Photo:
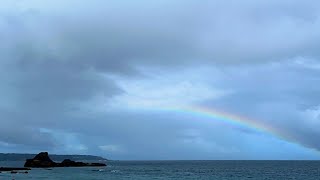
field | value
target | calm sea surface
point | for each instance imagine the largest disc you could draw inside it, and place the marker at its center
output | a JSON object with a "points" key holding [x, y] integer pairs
{"points": [[215, 170]]}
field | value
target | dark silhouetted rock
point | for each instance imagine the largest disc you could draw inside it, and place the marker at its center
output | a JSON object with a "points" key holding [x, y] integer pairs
{"points": [[42, 160], [70, 163]]}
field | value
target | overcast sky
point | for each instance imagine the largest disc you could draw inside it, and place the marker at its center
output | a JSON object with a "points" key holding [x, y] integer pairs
{"points": [[96, 77]]}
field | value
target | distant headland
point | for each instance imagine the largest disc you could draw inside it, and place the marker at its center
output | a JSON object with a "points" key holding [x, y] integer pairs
{"points": [[54, 157]]}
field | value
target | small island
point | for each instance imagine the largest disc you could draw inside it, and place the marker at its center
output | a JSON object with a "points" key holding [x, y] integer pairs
{"points": [[42, 160]]}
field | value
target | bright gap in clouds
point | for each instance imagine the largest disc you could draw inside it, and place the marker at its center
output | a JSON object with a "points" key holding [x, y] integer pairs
{"points": [[161, 89]]}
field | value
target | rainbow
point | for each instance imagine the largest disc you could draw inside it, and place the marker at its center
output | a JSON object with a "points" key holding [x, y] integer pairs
{"points": [[236, 120], [226, 117]]}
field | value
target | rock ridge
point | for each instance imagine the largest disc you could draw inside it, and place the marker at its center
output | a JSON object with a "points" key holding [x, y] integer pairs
{"points": [[42, 160]]}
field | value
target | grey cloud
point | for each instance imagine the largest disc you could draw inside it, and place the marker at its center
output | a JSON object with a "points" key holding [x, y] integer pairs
{"points": [[275, 94], [113, 37], [16, 132], [56, 57]]}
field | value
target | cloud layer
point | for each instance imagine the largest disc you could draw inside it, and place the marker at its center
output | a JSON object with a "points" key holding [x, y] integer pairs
{"points": [[79, 77]]}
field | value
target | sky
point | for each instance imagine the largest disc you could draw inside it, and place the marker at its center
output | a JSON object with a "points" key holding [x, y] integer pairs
{"points": [[115, 78]]}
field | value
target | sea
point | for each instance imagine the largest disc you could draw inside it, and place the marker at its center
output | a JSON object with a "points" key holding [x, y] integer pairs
{"points": [[181, 170]]}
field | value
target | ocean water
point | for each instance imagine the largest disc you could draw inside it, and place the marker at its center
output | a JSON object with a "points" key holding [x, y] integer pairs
{"points": [[213, 170]]}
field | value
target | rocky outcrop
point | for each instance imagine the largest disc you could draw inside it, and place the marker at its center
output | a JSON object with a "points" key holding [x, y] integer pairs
{"points": [[70, 163], [42, 160]]}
